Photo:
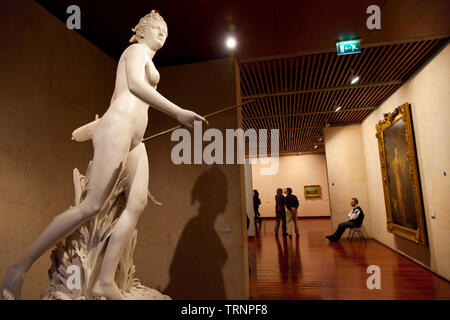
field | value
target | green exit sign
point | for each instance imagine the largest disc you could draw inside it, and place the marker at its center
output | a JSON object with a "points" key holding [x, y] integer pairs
{"points": [[348, 47]]}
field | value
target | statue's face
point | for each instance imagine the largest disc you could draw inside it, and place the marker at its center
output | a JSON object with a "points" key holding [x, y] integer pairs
{"points": [[155, 34]]}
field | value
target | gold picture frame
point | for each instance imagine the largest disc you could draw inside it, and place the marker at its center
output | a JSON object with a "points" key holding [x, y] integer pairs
{"points": [[399, 171], [312, 191]]}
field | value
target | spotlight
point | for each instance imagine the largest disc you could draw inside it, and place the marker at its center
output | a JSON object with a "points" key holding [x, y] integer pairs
{"points": [[337, 109], [355, 79], [231, 43]]}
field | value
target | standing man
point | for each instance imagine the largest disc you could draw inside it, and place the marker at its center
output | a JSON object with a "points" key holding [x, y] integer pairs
{"points": [[280, 212], [256, 204], [355, 219], [292, 204]]}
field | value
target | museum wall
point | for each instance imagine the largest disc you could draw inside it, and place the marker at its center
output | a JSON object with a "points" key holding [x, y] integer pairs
{"points": [[187, 248], [52, 80], [294, 172], [346, 173], [428, 93]]}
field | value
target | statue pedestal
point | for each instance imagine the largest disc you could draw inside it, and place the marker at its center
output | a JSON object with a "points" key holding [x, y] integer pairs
{"points": [[76, 261]]}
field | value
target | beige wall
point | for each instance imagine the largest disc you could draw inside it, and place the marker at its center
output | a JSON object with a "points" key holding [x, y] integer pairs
{"points": [[346, 172], [294, 172], [181, 249], [429, 96], [51, 81]]}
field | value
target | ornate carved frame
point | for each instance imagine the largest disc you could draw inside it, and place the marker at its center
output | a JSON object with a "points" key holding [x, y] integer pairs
{"points": [[416, 235]]}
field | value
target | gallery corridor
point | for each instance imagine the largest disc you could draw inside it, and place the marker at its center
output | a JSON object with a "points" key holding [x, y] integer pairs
{"points": [[309, 267]]}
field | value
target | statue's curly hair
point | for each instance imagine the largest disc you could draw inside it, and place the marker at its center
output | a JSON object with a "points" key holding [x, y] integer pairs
{"points": [[143, 22]]}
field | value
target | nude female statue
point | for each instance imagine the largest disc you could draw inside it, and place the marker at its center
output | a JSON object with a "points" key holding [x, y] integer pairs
{"points": [[117, 141]]}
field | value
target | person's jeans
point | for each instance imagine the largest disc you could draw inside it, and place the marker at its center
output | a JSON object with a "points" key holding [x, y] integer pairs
{"points": [[341, 229], [291, 218], [281, 215]]}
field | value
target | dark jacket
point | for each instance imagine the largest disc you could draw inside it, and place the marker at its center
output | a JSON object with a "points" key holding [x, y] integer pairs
{"points": [[358, 221], [279, 202], [256, 203], [291, 201]]}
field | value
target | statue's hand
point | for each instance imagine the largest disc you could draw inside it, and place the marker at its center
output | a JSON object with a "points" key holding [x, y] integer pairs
{"points": [[187, 118]]}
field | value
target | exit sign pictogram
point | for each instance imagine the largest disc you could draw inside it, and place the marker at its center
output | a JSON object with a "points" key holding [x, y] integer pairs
{"points": [[348, 47]]}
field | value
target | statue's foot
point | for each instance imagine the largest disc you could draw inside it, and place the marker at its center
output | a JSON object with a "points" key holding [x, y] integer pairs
{"points": [[12, 284], [107, 290]]}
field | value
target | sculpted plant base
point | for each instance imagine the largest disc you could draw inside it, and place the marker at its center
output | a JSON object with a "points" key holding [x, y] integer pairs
{"points": [[85, 249]]}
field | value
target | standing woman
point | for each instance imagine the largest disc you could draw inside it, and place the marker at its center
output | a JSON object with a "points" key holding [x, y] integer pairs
{"points": [[280, 212], [117, 140], [256, 204]]}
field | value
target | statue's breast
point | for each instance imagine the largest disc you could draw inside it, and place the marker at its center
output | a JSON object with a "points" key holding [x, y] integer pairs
{"points": [[151, 74]]}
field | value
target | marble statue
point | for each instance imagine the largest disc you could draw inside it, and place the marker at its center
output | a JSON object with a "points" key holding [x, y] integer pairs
{"points": [[119, 167]]}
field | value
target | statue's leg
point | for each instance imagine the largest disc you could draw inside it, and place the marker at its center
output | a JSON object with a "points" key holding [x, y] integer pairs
{"points": [[137, 173], [108, 156]]}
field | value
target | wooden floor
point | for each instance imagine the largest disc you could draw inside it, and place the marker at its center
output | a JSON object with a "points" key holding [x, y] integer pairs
{"points": [[309, 267]]}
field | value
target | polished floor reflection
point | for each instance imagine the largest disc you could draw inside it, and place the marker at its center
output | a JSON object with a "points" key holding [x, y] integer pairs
{"points": [[309, 267]]}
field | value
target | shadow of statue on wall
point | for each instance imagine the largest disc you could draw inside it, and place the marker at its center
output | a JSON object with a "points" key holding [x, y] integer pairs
{"points": [[196, 268]]}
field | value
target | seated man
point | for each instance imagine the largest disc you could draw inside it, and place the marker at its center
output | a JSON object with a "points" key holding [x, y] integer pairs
{"points": [[356, 217]]}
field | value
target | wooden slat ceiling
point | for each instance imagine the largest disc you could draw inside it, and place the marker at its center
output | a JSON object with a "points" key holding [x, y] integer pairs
{"points": [[299, 95]]}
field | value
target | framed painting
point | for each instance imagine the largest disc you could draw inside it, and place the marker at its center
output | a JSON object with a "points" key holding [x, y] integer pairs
{"points": [[312, 191], [399, 171]]}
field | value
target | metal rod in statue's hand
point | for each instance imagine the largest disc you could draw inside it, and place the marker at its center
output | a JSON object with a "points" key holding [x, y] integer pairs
{"points": [[205, 116]]}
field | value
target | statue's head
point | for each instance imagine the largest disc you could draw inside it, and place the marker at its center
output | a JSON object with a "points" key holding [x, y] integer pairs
{"points": [[152, 30]]}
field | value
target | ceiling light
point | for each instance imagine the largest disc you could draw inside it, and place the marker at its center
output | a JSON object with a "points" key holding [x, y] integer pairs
{"points": [[315, 147], [355, 79], [337, 109], [231, 43]]}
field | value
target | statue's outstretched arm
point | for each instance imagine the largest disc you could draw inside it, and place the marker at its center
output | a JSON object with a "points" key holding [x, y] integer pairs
{"points": [[135, 62]]}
